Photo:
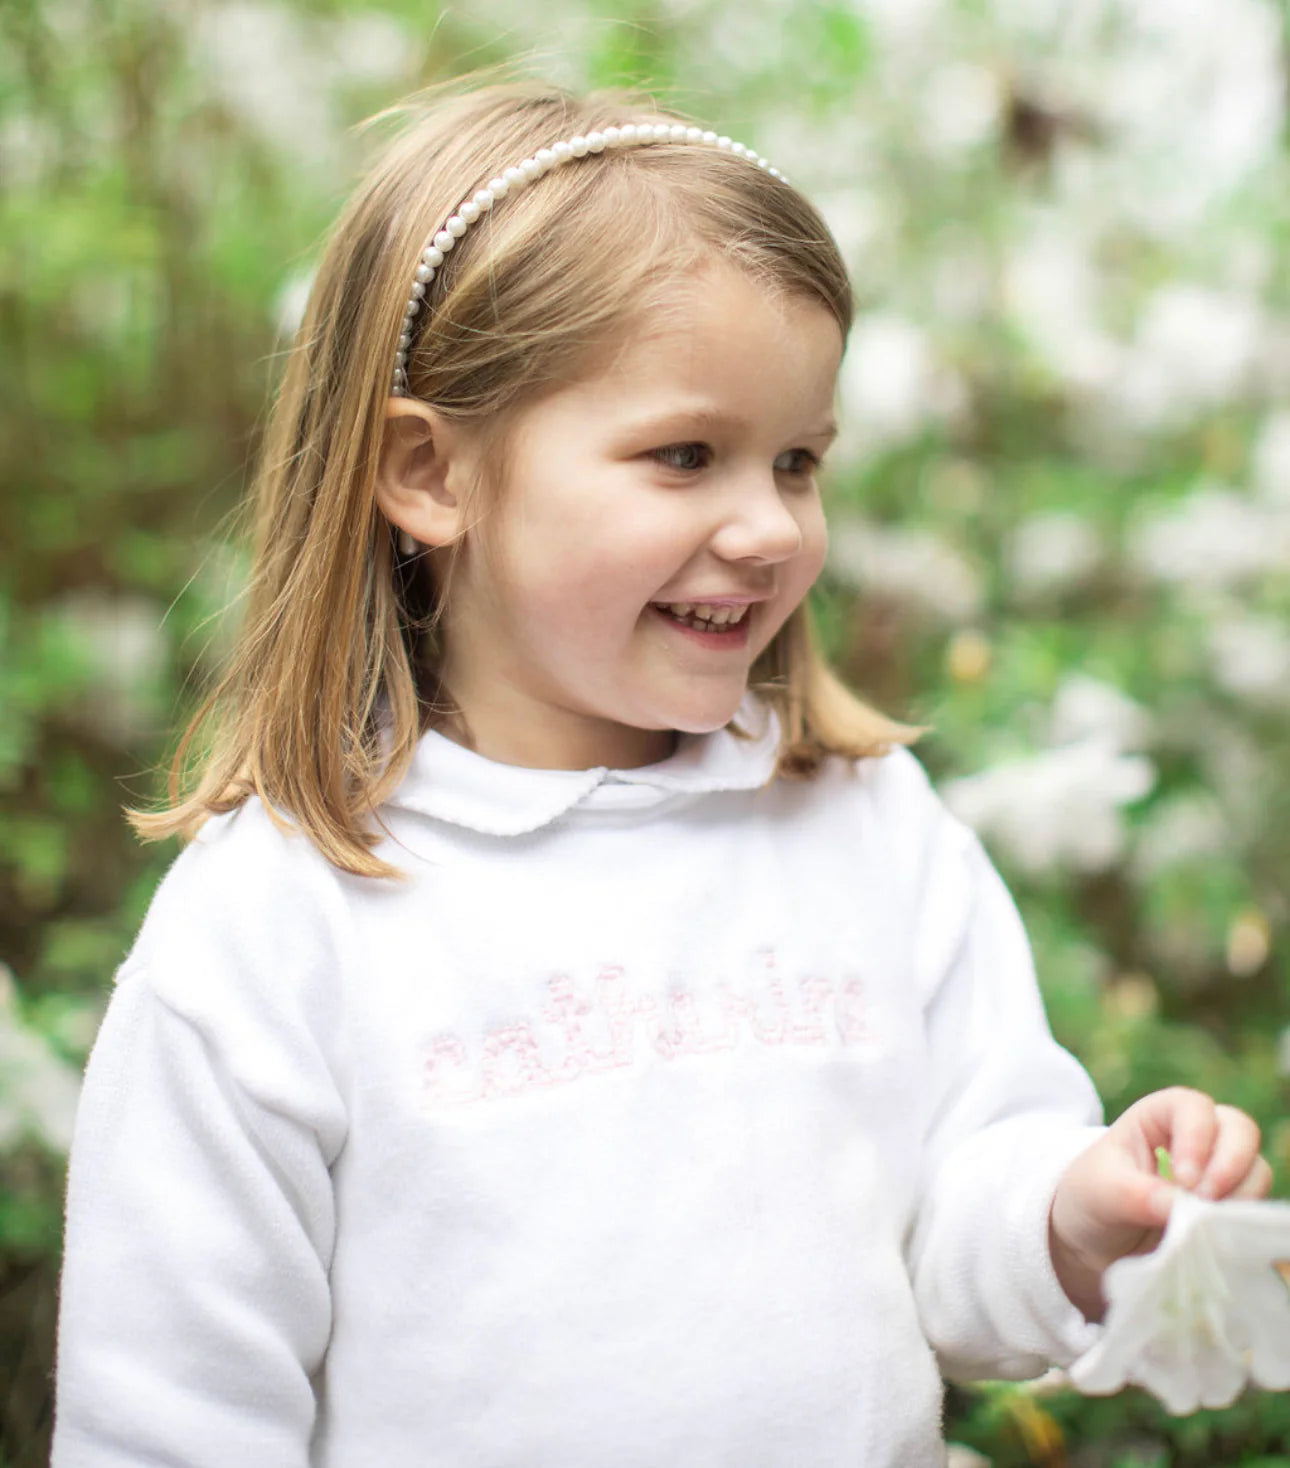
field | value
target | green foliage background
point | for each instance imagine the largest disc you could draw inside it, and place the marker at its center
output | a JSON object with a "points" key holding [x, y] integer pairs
{"points": [[165, 176]]}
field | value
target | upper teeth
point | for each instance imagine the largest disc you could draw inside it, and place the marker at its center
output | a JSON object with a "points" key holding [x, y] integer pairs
{"points": [[722, 616]]}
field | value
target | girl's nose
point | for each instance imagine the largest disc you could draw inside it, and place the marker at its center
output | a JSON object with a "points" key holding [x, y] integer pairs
{"points": [[759, 527]]}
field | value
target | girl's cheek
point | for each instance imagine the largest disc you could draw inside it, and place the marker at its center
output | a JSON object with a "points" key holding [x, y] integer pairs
{"points": [[815, 550]]}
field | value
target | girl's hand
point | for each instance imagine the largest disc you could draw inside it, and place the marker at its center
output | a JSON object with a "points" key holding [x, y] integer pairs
{"points": [[1111, 1200]]}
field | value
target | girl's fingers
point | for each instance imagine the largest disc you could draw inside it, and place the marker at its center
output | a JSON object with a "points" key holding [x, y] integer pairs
{"points": [[1141, 1198], [1236, 1169], [1185, 1123]]}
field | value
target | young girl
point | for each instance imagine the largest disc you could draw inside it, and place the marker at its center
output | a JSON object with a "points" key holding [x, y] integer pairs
{"points": [[576, 1035]]}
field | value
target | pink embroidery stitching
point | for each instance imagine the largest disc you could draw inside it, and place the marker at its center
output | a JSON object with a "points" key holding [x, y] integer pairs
{"points": [[511, 1060]]}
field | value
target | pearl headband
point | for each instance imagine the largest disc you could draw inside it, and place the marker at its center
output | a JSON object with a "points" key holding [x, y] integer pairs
{"points": [[543, 161]]}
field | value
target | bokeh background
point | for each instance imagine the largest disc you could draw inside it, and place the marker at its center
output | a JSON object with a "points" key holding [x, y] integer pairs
{"points": [[1061, 503]]}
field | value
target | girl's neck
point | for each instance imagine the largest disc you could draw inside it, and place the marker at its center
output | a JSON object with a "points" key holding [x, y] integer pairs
{"points": [[576, 745]]}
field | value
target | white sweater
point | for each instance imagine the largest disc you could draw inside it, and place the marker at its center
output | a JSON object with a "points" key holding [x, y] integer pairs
{"points": [[661, 1119]]}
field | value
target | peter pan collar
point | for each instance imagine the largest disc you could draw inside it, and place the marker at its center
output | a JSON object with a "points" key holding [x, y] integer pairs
{"points": [[451, 783]]}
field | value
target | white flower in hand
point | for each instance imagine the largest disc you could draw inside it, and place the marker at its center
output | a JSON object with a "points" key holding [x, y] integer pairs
{"points": [[1203, 1313]]}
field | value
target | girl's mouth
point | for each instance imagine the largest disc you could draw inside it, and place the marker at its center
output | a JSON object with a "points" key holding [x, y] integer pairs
{"points": [[726, 625]]}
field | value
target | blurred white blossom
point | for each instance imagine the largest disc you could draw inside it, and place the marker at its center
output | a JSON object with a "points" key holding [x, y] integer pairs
{"points": [[1189, 94], [858, 218], [749, 48], [1053, 552], [904, 24], [38, 1090], [1085, 707], [1179, 829], [962, 284], [959, 1456], [1270, 460], [125, 649], [916, 567], [892, 385], [292, 298], [257, 58], [1250, 658], [961, 105], [1234, 765], [1060, 809], [1194, 349], [1053, 294], [1214, 537], [282, 71]]}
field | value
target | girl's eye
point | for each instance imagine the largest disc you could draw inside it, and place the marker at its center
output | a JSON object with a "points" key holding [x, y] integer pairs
{"points": [[798, 462], [689, 457], [684, 456]]}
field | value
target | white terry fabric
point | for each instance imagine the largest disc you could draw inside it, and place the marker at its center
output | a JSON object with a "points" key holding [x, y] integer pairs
{"points": [[661, 1118]]}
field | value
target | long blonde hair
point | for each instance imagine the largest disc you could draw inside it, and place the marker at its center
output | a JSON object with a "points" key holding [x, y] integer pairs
{"points": [[334, 676]]}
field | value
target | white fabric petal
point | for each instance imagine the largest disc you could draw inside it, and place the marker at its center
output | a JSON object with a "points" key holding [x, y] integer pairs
{"points": [[1203, 1314]]}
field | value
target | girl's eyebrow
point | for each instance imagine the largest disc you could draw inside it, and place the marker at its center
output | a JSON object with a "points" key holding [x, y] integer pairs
{"points": [[675, 419]]}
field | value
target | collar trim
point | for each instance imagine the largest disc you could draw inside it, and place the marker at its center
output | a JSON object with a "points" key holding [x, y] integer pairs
{"points": [[450, 783]]}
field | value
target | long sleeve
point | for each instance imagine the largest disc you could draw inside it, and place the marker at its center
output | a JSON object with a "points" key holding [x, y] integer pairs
{"points": [[200, 1218], [1011, 1110]]}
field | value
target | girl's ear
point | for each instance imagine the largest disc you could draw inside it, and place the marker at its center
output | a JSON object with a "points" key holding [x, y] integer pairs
{"points": [[419, 477]]}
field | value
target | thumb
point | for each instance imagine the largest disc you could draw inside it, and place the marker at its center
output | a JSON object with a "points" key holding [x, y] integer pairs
{"points": [[1125, 1188]]}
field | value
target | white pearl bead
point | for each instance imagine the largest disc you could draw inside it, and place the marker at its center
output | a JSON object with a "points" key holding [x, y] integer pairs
{"points": [[400, 358], [761, 163], [611, 137], [469, 211], [679, 132], [424, 273], [456, 226], [444, 241], [662, 133], [546, 157], [405, 341], [579, 146], [693, 135], [513, 176], [483, 201], [410, 310], [595, 142], [708, 137], [433, 256], [418, 290], [530, 169], [562, 152], [739, 150], [723, 143], [626, 133], [498, 187]]}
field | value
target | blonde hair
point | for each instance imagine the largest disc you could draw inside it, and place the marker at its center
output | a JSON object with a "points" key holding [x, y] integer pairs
{"points": [[334, 676]]}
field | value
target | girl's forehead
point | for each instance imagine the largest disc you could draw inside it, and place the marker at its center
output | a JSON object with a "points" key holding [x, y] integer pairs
{"points": [[718, 350], [711, 318]]}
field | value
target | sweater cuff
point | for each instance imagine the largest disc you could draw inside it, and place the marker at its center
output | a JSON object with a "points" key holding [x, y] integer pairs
{"points": [[1068, 1334]]}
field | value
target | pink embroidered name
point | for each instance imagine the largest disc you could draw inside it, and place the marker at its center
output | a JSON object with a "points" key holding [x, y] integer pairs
{"points": [[577, 1034]]}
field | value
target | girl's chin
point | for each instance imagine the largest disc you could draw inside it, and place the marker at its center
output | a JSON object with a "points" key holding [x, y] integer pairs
{"points": [[708, 716]]}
